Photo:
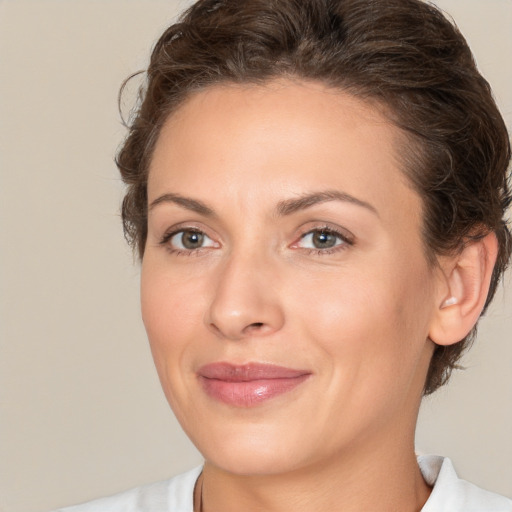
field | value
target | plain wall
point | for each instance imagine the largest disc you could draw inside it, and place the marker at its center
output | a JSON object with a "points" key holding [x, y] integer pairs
{"points": [[81, 410]]}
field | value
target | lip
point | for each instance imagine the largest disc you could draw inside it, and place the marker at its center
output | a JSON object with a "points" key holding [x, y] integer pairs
{"points": [[250, 384]]}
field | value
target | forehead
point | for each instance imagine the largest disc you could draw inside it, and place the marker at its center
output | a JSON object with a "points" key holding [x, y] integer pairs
{"points": [[254, 143]]}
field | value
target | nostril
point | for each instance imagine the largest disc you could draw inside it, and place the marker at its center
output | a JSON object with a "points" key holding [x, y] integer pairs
{"points": [[215, 329], [255, 327]]}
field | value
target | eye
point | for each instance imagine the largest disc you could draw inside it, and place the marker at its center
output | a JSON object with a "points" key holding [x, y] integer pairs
{"points": [[323, 239], [187, 240]]}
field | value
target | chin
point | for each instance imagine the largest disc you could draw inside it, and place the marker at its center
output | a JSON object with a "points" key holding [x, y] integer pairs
{"points": [[251, 463], [253, 452]]}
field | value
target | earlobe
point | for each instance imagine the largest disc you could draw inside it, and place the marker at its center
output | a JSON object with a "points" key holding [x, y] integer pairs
{"points": [[467, 278]]}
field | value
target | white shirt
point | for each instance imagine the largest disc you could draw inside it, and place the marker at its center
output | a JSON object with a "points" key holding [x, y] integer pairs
{"points": [[449, 494]]}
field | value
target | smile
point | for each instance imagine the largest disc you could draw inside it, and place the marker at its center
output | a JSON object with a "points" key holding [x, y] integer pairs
{"points": [[248, 385]]}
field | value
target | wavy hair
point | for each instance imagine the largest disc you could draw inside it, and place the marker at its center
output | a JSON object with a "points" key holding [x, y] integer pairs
{"points": [[405, 55]]}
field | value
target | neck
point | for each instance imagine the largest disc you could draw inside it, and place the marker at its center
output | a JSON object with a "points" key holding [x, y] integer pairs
{"points": [[382, 479]]}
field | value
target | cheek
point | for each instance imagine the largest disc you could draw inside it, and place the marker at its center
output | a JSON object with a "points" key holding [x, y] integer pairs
{"points": [[373, 318], [341, 306], [170, 310]]}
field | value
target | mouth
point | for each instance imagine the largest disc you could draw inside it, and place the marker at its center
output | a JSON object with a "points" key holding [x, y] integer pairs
{"points": [[250, 384]]}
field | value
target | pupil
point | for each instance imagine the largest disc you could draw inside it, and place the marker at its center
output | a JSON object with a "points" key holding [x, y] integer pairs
{"points": [[323, 240], [192, 239]]}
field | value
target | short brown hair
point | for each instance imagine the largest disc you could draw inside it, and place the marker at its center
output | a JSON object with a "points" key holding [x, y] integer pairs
{"points": [[403, 54]]}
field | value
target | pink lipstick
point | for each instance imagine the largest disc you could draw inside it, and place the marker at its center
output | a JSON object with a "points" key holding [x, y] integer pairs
{"points": [[250, 384]]}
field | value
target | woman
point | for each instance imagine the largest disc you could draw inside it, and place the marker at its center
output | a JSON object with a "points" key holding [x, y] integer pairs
{"points": [[317, 192]]}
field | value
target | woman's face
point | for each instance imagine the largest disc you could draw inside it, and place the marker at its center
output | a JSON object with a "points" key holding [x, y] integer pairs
{"points": [[285, 290]]}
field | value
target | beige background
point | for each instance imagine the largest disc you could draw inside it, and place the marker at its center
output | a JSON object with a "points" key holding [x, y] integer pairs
{"points": [[82, 414]]}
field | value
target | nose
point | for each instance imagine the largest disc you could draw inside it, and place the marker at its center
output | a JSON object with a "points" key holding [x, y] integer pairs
{"points": [[245, 301]]}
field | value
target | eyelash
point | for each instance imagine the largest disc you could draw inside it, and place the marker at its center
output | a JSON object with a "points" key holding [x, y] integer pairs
{"points": [[346, 240], [167, 237]]}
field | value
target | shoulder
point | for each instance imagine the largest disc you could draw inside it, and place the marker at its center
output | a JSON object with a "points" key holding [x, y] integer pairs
{"points": [[452, 494], [175, 495]]}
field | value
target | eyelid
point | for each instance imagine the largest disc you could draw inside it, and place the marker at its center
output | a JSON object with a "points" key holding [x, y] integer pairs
{"points": [[346, 237], [184, 227], [187, 226], [183, 231], [343, 234]]}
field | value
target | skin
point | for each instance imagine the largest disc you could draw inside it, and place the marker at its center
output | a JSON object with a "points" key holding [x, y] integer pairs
{"points": [[357, 317]]}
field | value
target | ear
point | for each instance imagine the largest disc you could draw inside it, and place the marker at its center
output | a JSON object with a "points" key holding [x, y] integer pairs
{"points": [[466, 278]]}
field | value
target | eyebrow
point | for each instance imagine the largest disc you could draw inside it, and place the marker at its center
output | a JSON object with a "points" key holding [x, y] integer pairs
{"points": [[289, 206], [185, 202], [286, 207]]}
